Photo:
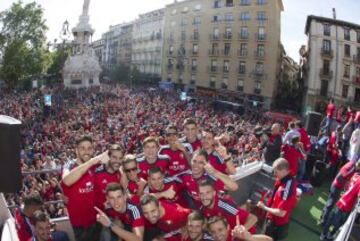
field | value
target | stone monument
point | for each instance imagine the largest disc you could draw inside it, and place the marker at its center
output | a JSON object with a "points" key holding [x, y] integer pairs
{"points": [[82, 68]]}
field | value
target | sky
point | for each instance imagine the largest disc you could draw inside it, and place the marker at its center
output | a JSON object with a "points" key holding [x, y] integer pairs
{"points": [[104, 13]]}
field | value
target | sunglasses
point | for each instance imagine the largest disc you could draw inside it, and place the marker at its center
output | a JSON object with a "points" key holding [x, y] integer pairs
{"points": [[131, 170]]}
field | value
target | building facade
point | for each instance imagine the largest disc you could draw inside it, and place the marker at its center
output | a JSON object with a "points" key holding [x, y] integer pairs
{"points": [[147, 44], [332, 67], [98, 47], [225, 48]]}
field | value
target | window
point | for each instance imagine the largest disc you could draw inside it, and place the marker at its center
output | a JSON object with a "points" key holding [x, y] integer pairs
{"points": [[217, 4], [193, 79], [196, 34], [229, 17], [184, 22], [169, 77], [358, 36], [245, 2], [326, 45], [181, 78], [197, 20], [261, 33], [170, 64], [185, 10], [242, 67], [261, 2], [216, 18], [227, 47], [183, 35], [245, 16], [244, 33], [228, 33], [346, 71], [195, 48], [357, 71], [173, 12], [243, 49], [260, 51], [259, 68], [226, 66], [347, 50], [327, 29], [345, 90], [347, 34], [194, 64], [261, 16], [171, 49], [225, 83], [240, 85], [326, 67], [213, 65], [229, 3], [212, 81], [197, 7], [324, 88]]}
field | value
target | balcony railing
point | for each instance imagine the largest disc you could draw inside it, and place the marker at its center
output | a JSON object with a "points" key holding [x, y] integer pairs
{"points": [[214, 37], [356, 80], [212, 69], [241, 71], [226, 52], [257, 91], [259, 54], [243, 36], [260, 37], [214, 52], [194, 53], [326, 74], [227, 36], [356, 59], [242, 53], [194, 37], [226, 69], [329, 53], [169, 53]]}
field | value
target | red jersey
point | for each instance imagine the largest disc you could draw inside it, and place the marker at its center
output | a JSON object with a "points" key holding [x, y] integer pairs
{"points": [[196, 145], [131, 217], [101, 179], [344, 175], [217, 162], [178, 162], [169, 182], [229, 210], [81, 197], [191, 186], [293, 156], [174, 218], [133, 187], [348, 200], [22, 225], [305, 139], [330, 110], [162, 161], [284, 198]]}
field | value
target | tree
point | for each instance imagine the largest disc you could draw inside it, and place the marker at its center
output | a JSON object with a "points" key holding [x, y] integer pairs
{"points": [[58, 58], [22, 43], [289, 96], [120, 73]]}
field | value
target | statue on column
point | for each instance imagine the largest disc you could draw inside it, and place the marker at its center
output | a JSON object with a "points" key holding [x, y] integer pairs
{"points": [[86, 7]]}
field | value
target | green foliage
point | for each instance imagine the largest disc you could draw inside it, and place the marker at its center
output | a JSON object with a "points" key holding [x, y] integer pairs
{"points": [[22, 43], [120, 73], [289, 96], [57, 60]]}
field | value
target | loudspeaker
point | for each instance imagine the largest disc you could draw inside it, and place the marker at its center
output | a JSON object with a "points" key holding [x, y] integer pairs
{"points": [[312, 124], [10, 172]]}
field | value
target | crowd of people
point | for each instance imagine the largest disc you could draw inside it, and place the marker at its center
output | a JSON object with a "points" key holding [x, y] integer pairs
{"points": [[144, 165]]}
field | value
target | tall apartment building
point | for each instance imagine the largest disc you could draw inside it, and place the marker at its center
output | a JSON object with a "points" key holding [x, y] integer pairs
{"points": [[225, 48], [147, 43], [98, 47], [333, 62], [117, 45]]}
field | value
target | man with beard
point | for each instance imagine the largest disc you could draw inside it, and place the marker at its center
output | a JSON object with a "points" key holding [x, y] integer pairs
{"points": [[107, 173], [179, 153], [218, 156], [128, 221], [78, 186], [151, 157], [191, 132], [220, 231], [212, 205], [168, 218], [195, 228], [200, 170]]}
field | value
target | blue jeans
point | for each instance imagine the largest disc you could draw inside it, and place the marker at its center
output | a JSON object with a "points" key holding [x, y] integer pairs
{"points": [[333, 198], [336, 219]]}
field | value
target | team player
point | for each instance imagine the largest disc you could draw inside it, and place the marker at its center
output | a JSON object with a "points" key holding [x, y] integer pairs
{"points": [[282, 201], [179, 153], [201, 169], [128, 221], [191, 132], [78, 186], [135, 184], [107, 173], [218, 156], [196, 228], [212, 205], [151, 157], [41, 225]]}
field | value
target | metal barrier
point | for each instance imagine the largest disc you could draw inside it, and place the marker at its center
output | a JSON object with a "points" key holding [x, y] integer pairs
{"points": [[346, 229]]}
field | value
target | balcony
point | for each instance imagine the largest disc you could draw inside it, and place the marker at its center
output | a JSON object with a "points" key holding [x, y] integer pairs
{"points": [[226, 52], [194, 37], [242, 53], [169, 53], [326, 74], [227, 36], [212, 84], [259, 54], [241, 71], [356, 59], [226, 69], [260, 37], [243, 36], [214, 37], [170, 66], [214, 52], [212, 69], [327, 53], [257, 91], [193, 53], [193, 68], [180, 67], [356, 80]]}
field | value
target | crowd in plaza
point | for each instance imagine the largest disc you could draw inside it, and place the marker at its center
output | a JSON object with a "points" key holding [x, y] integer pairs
{"points": [[144, 165]]}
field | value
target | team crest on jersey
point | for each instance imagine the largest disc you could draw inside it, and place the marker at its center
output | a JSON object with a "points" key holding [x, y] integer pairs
{"points": [[104, 181], [168, 222]]}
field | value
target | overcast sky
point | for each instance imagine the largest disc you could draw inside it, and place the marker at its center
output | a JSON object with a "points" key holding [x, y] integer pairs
{"points": [[104, 13]]}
